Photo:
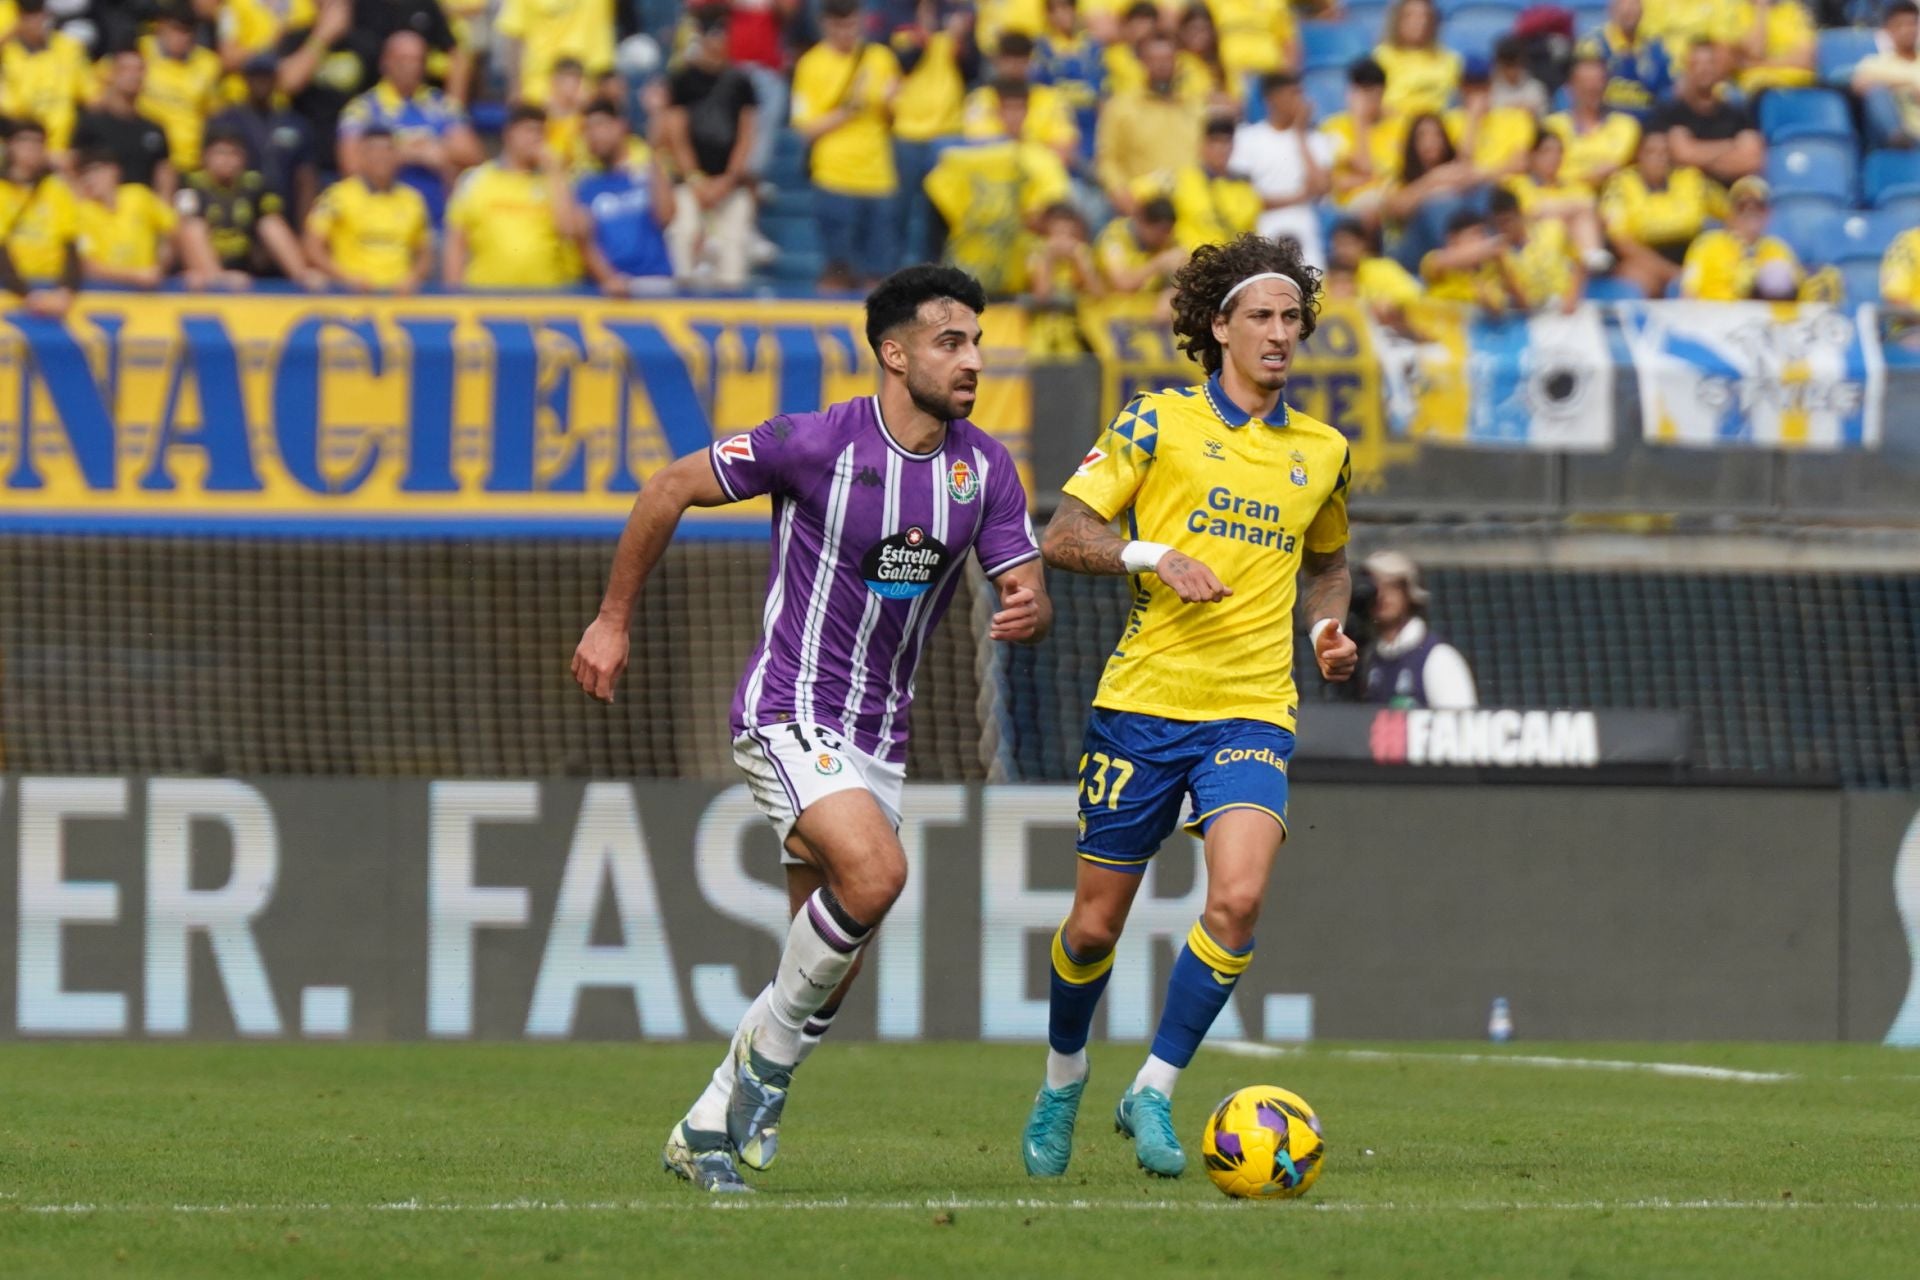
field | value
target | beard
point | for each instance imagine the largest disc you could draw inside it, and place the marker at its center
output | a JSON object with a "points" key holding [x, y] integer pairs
{"points": [[1266, 379], [938, 401]]}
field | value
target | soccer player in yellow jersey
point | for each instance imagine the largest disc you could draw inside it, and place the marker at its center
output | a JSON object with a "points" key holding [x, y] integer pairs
{"points": [[1228, 495], [370, 233]]}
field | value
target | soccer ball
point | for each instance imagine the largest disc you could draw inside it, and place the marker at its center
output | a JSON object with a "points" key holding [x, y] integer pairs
{"points": [[1263, 1143]]}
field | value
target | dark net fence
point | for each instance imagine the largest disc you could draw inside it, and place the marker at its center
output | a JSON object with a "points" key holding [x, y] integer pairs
{"points": [[394, 658], [450, 659]]}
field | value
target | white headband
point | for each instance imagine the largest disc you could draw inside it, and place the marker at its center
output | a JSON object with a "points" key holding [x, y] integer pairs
{"points": [[1254, 279]]}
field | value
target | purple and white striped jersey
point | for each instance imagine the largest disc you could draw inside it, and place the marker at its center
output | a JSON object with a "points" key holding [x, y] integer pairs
{"points": [[868, 545]]}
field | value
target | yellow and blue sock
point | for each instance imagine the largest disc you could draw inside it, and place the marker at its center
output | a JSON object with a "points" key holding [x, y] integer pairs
{"points": [[1204, 974], [1073, 995]]}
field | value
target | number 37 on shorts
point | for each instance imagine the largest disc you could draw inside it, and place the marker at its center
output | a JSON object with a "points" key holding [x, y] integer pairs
{"points": [[1137, 769]]}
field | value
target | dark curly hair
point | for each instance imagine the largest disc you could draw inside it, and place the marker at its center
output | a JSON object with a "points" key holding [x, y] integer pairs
{"points": [[1212, 272], [897, 299]]}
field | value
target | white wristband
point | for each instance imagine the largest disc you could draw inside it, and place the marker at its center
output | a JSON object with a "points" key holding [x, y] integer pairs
{"points": [[1143, 557], [1313, 636]]}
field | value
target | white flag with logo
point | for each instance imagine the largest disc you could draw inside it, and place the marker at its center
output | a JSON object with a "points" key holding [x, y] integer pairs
{"points": [[1774, 375]]}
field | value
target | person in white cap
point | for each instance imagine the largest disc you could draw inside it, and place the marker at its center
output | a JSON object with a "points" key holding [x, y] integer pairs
{"points": [[1407, 665]]}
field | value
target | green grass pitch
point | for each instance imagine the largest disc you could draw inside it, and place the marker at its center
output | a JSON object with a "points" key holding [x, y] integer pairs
{"points": [[470, 1160]]}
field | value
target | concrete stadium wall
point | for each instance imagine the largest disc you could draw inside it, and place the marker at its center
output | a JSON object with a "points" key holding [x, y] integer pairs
{"points": [[376, 910]]}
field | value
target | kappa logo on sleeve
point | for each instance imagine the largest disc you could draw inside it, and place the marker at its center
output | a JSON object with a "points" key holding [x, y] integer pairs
{"points": [[736, 448]]}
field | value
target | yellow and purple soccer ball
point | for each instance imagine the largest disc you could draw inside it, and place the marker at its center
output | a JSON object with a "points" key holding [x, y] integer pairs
{"points": [[1263, 1143]]}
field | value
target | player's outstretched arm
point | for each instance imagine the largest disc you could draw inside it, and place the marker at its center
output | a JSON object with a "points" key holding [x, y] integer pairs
{"points": [[1328, 595], [1077, 539], [1026, 611], [602, 654]]}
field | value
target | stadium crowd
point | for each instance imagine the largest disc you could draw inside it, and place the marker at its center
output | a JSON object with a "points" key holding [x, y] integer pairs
{"points": [[1514, 158]]}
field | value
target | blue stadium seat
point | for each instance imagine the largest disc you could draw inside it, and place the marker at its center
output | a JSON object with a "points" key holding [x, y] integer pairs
{"points": [[1902, 208], [1333, 44], [1862, 235], [1862, 279], [1326, 89], [1818, 166], [1811, 227], [1369, 19], [1891, 174], [787, 165], [1449, 9], [1840, 49], [1805, 113], [1475, 27]]}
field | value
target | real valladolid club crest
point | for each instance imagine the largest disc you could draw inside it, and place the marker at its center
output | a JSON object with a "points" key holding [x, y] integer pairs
{"points": [[1299, 473], [963, 483], [827, 764]]}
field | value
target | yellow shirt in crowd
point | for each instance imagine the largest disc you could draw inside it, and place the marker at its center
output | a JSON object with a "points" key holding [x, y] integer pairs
{"points": [[855, 159], [257, 25], [1050, 120], [549, 30], [1482, 285], [930, 97], [1206, 209], [1384, 282], [1254, 34], [1612, 143], [1418, 80], [126, 237], [1789, 31], [39, 223], [375, 236], [1249, 498], [1505, 137], [179, 95], [1900, 271], [1386, 146], [1720, 268], [988, 194], [1541, 270], [1672, 215], [513, 237], [1532, 195], [1116, 249], [1192, 79], [46, 85], [995, 18]]}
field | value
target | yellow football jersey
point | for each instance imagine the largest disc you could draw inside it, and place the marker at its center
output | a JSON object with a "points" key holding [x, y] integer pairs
{"points": [[1900, 271], [373, 236], [1248, 498], [179, 95], [39, 222], [1720, 268], [127, 236]]}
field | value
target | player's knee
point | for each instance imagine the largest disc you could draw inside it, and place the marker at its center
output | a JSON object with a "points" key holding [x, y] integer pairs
{"points": [[1089, 935], [1231, 915], [871, 892]]}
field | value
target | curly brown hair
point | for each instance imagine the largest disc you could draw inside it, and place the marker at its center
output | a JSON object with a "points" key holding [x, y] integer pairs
{"points": [[1212, 272]]}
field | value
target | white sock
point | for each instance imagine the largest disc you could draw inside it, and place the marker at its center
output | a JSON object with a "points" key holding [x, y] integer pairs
{"points": [[1159, 1074], [1064, 1069], [814, 1031], [821, 945], [709, 1112]]}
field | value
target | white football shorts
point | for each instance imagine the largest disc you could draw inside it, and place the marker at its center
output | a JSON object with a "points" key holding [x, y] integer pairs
{"points": [[790, 766]]}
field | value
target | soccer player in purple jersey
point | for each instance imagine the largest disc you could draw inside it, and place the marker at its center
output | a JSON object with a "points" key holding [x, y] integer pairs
{"points": [[876, 504]]}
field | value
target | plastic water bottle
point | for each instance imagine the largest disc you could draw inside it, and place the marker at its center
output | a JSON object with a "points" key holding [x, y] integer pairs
{"points": [[1500, 1021]]}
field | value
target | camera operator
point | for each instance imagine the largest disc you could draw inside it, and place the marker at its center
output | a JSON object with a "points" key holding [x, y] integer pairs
{"points": [[1404, 664]]}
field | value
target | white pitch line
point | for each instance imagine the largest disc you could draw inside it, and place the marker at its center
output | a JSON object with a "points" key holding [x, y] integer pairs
{"points": [[750, 1204], [1685, 1070]]}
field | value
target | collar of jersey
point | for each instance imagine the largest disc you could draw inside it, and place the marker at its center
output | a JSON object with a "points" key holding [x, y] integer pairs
{"points": [[880, 422], [1232, 414]]}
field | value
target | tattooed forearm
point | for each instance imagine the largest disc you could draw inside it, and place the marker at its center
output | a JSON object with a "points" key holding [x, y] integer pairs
{"points": [[1077, 539], [1329, 585]]}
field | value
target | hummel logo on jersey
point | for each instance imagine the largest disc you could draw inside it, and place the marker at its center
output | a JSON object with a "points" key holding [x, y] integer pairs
{"points": [[736, 448], [869, 478], [1093, 459], [1216, 451], [1224, 979]]}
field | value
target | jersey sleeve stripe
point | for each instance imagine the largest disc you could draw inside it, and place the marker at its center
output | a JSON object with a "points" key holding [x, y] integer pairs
{"points": [[720, 472], [998, 569]]}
